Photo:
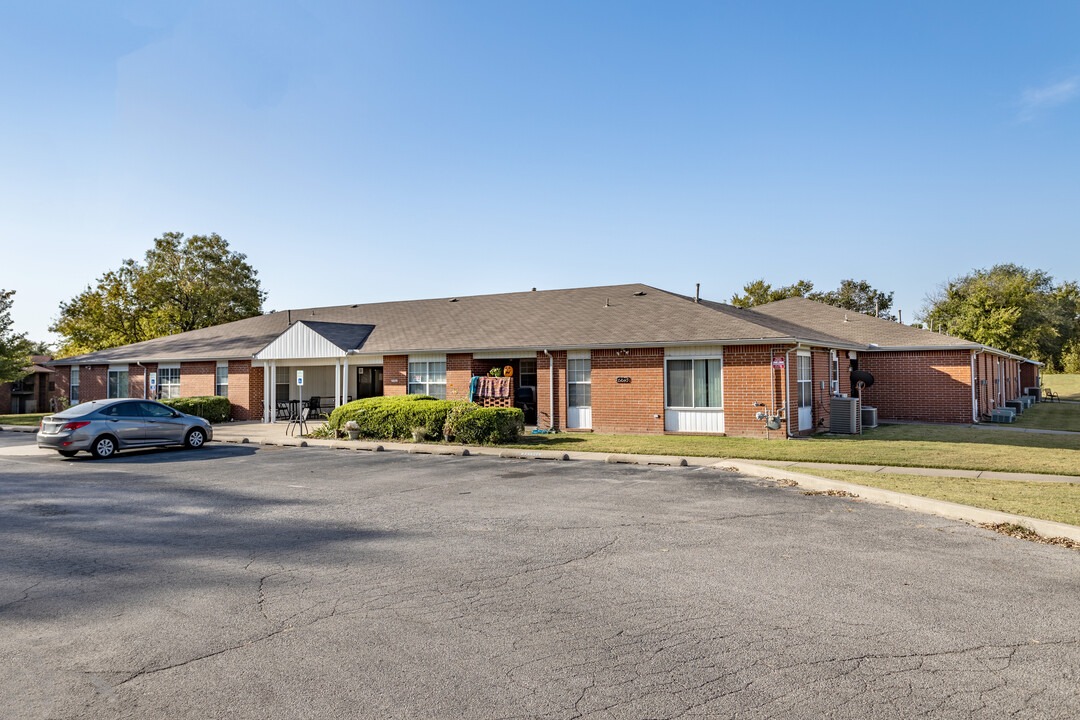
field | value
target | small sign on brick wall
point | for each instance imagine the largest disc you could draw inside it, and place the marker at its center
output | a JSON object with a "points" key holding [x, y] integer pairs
{"points": [[778, 363], [622, 380]]}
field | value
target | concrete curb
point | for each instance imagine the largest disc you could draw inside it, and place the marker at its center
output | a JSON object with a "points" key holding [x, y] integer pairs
{"points": [[533, 455], [647, 460], [20, 428], [928, 506]]}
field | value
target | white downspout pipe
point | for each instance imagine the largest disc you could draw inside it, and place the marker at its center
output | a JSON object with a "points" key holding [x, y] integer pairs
{"points": [[273, 390], [974, 386], [143, 378], [551, 390], [787, 401]]}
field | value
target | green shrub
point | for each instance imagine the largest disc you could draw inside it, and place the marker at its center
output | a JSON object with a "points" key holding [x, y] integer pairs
{"points": [[394, 416], [471, 425], [212, 408]]}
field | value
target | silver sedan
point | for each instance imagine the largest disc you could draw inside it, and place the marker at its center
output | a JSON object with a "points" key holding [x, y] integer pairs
{"points": [[105, 426]]}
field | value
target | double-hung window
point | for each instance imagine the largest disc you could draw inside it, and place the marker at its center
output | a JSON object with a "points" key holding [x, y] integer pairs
{"points": [[428, 378], [74, 392], [282, 384], [806, 388], [695, 383], [834, 372], [221, 381], [168, 383], [118, 383], [579, 382]]}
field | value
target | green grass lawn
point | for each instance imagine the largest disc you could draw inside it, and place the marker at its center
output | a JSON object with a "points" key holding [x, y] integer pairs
{"points": [[25, 419], [1050, 416], [1067, 386], [903, 445], [1044, 500]]}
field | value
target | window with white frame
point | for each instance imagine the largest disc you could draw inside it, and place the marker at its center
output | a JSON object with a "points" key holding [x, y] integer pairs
{"points": [[834, 372], [74, 392], [118, 384], [428, 377], [695, 383], [221, 381], [282, 384], [806, 388], [579, 382], [168, 382]]}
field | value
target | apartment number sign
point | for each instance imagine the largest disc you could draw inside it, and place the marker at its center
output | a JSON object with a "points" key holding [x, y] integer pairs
{"points": [[622, 380]]}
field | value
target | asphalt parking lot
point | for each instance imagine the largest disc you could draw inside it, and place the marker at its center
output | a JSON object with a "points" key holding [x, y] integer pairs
{"points": [[242, 581]]}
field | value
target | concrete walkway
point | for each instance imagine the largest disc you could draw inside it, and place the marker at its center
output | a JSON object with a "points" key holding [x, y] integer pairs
{"points": [[274, 433]]}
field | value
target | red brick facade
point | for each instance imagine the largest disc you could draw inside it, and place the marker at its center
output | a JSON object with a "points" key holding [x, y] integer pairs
{"points": [[544, 382], [635, 407], [197, 378], [931, 386], [395, 375]]}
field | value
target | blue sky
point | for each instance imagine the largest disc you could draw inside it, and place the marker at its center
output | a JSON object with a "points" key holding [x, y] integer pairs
{"points": [[364, 152]]}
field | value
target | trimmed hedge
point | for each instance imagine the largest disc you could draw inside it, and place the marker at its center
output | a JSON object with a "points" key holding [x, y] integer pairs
{"points": [[395, 417], [472, 425], [212, 408]]}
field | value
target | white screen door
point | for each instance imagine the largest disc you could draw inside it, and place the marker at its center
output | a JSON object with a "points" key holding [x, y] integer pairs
{"points": [[579, 393], [806, 394]]}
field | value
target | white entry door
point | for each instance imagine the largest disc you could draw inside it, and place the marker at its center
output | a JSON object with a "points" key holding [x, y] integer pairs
{"points": [[806, 394], [579, 393]]}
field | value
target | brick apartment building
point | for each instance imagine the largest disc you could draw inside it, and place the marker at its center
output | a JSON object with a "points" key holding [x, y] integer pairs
{"points": [[618, 359]]}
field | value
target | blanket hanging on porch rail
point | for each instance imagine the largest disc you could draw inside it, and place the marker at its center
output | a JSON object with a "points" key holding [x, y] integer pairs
{"points": [[493, 387]]}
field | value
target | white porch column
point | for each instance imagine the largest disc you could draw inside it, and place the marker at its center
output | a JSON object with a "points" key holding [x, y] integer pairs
{"points": [[337, 383], [273, 391], [266, 393], [344, 379]]}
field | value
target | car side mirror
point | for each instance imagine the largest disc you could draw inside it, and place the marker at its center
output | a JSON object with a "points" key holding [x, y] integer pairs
{"points": [[176, 414]]}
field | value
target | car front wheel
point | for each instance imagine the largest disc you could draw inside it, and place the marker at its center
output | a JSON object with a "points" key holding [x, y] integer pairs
{"points": [[103, 447], [195, 438]]}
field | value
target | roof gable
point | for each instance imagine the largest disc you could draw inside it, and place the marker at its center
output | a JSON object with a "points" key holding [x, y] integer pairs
{"points": [[311, 339]]}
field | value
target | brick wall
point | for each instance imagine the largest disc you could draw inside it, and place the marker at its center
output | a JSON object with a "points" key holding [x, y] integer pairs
{"points": [[1029, 376], [749, 378], [929, 386], [636, 407], [395, 375], [543, 382], [5, 398], [197, 378], [459, 372], [93, 382], [135, 379], [245, 390], [820, 363]]}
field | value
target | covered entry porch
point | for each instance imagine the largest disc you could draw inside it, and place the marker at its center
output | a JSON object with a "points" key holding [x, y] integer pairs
{"points": [[317, 360]]}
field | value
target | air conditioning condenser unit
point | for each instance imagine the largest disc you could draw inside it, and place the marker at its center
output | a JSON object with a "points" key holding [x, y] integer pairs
{"points": [[869, 417], [844, 415]]}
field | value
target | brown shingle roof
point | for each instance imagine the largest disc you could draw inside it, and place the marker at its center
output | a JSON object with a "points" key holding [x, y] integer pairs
{"points": [[613, 316], [854, 327]]}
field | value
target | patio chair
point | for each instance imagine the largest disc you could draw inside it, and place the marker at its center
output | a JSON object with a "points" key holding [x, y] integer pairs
{"points": [[1049, 395], [300, 421], [315, 406]]}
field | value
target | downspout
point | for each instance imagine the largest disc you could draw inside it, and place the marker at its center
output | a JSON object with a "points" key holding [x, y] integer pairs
{"points": [[143, 378], [974, 384], [787, 403], [551, 390]]}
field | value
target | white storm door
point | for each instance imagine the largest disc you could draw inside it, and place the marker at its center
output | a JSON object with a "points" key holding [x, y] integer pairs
{"points": [[806, 394], [579, 393]]}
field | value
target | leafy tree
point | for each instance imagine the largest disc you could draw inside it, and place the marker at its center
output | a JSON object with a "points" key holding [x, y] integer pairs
{"points": [[182, 284], [860, 296], [1011, 308], [760, 292], [15, 349]]}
